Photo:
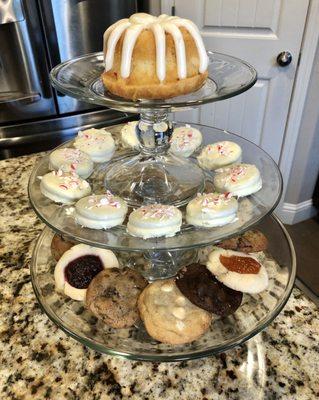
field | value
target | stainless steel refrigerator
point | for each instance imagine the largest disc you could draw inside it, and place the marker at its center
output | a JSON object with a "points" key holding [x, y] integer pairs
{"points": [[35, 35]]}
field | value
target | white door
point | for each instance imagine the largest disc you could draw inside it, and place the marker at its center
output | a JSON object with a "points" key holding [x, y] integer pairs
{"points": [[256, 31]]}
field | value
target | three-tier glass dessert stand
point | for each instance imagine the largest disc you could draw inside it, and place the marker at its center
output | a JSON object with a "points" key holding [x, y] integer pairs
{"points": [[154, 175]]}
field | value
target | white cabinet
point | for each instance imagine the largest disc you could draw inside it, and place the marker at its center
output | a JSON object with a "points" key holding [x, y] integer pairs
{"points": [[256, 31]]}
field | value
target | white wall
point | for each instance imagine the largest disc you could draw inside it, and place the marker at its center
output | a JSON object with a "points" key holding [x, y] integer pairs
{"points": [[303, 175]]}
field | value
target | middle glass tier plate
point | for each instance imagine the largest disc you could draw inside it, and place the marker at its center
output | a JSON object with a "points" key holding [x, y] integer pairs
{"points": [[251, 208]]}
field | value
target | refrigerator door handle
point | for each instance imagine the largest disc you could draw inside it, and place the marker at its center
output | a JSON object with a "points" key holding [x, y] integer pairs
{"points": [[17, 98]]}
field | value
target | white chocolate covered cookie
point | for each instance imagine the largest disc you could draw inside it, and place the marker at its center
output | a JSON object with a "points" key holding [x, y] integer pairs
{"points": [[185, 141], [220, 154], [128, 135], [154, 220], [71, 160], [78, 266], [237, 270], [238, 179], [64, 187], [169, 316], [212, 209], [100, 211], [97, 143]]}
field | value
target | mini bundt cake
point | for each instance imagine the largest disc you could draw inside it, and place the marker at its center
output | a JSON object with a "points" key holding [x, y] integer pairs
{"points": [[149, 57]]}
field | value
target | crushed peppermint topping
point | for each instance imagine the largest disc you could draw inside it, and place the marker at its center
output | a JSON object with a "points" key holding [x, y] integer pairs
{"points": [[95, 136], [74, 157], [237, 172], [70, 180], [59, 172], [183, 138], [107, 200], [160, 211], [222, 148], [211, 200]]}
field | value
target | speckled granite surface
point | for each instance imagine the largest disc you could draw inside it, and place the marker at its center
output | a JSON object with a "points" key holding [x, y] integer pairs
{"points": [[39, 361]]}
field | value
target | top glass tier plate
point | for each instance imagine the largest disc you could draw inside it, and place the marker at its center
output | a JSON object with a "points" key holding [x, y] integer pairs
{"points": [[80, 78], [251, 209]]}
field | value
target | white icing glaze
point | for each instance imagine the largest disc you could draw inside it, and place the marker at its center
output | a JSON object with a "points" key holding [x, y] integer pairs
{"points": [[159, 25], [220, 154], [100, 211], [128, 135], [185, 140], [211, 210], [71, 160], [64, 187], [97, 143], [154, 220], [239, 179], [112, 40]]}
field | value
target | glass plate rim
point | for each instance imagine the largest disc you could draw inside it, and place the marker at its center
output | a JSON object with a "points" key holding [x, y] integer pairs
{"points": [[173, 358], [93, 98], [150, 248]]}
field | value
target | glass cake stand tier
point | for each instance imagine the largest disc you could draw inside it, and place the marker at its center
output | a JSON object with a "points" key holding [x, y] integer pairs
{"points": [[251, 208], [81, 78], [254, 315]]}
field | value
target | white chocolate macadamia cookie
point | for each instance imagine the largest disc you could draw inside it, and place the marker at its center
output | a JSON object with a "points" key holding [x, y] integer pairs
{"points": [[78, 266], [97, 143], [185, 141], [212, 209], [100, 211], [64, 187], [154, 220], [71, 160], [238, 179], [128, 135], [237, 270], [220, 154], [169, 316]]}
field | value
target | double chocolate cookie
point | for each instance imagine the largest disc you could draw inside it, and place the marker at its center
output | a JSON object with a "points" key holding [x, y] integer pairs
{"points": [[112, 296], [201, 287]]}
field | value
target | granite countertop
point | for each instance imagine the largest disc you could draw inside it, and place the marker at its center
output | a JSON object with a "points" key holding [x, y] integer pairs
{"points": [[39, 361]]}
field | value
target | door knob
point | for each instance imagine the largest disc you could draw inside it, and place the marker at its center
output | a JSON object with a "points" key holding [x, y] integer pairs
{"points": [[284, 58]]}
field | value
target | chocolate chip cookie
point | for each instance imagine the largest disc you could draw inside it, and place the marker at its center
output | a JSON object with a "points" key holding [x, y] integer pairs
{"points": [[112, 296], [201, 287], [249, 242], [169, 316]]}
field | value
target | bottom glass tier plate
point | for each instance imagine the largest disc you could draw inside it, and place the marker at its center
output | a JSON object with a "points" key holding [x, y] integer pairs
{"points": [[255, 313]]}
